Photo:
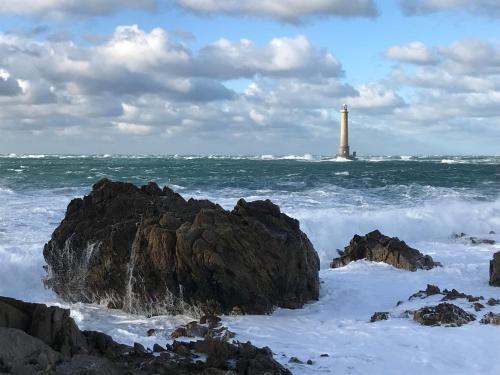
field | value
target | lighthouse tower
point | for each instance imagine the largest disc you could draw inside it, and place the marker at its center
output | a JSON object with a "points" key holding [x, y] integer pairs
{"points": [[344, 135]]}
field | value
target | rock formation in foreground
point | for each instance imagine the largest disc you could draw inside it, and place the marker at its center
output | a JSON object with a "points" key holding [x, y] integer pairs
{"points": [[379, 248], [147, 250], [495, 270], [445, 314], [36, 339]]}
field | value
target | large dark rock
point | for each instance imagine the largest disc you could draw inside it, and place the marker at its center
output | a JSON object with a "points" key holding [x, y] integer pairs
{"points": [[29, 346], [445, 314], [148, 250], [495, 270], [376, 247]]}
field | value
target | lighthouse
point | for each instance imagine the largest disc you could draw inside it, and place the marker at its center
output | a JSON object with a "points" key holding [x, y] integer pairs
{"points": [[344, 135]]}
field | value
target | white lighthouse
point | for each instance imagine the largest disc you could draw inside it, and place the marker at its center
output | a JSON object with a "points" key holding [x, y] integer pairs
{"points": [[344, 135]]}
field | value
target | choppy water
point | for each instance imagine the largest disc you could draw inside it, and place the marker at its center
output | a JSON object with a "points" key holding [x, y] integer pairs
{"points": [[415, 198]]}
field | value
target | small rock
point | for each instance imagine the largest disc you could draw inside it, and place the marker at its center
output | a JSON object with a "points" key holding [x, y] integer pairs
{"points": [[324, 355], [309, 362], [211, 320], [492, 232], [445, 314], [429, 291], [181, 349], [157, 348], [139, 348], [478, 306], [491, 318], [379, 316], [179, 332], [152, 332], [295, 360], [493, 302]]}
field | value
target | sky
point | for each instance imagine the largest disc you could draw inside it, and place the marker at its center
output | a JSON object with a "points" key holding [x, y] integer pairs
{"points": [[420, 77]]}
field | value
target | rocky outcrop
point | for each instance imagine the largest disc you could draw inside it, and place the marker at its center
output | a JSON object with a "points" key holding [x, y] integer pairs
{"points": [[57, 346], [378, 316], [495, 270], [376, 247], [444, 314], [490, 318], [148, 250]]}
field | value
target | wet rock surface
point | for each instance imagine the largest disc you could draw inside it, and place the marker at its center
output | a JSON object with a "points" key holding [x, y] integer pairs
{"points": [[444, 314], [490, 318], [378, 316], [376, 247], [495, 270], [147, 250], [57, 346]]}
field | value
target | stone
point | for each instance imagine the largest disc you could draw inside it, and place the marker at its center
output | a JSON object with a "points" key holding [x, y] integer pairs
{"points": [[490, 318], [481, 241], [495, 270], [431, 290], [295, 360], [478, 306], [376, 247], [62, 348], [157, 348], [309, 362], [152, 332], [147, 250], [493, 302], [379, 316], [324, 355], [21, 353], [492, 232], [444, 314]]}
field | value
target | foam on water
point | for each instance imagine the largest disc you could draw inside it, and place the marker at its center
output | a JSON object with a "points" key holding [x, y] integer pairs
{"points": [[419, 199]]}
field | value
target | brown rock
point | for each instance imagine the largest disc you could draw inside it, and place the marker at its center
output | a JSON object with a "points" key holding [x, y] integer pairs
{"points": [[495, 270], [376, 247], [445, 314], [150, 251], [491, 318], [379, 316]]}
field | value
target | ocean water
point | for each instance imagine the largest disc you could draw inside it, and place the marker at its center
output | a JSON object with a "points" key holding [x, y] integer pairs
{"points": [[422, 200]]}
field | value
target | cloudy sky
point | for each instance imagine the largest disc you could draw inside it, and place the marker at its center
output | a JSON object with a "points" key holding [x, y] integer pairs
{"points": [[249, 76]]}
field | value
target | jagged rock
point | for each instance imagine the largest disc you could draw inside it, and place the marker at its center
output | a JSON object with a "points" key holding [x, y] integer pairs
{"points": [[94, 353], [148, 250], [376, 247], [295, 360], [478, 306], [212, 329], [495, 270], [431, 290], [379, 316], [445, 314], [491, 318], [493, 302], [450, 295], [21, 353], [481, 241]]}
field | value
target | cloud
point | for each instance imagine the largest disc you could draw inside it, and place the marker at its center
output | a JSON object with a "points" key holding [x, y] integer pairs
{"points": [[414, 52], [488, 8], [63, 8], [133, 129], [294, 11], [8, 85]]}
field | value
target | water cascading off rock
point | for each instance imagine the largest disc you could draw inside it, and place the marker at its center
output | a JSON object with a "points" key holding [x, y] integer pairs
{"points": [[147, 250]]}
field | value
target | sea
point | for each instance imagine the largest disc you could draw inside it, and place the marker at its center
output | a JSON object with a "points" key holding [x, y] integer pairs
{"points": [[423, 200]]}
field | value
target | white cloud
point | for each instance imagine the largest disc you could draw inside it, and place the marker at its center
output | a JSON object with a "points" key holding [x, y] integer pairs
{"points": [[133, 129], [414, 52], [284, 10]]}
